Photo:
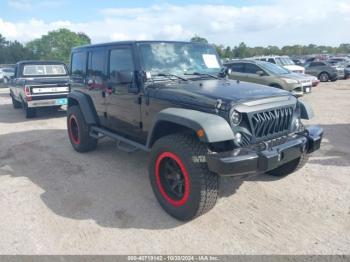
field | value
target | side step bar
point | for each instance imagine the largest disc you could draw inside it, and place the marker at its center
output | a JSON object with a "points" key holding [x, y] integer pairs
{"points": [[98, 132]]}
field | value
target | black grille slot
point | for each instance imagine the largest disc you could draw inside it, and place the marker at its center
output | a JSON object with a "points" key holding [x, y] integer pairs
{"points": [[272, 123]]}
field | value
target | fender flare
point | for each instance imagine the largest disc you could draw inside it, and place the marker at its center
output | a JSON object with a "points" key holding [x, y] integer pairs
{"points": [[306, 111], [86, 106], [216, 128]]}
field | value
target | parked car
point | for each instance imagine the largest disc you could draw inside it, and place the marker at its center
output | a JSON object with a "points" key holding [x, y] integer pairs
{"points": [[299, 62], [347, 71], [269, 74], [283, 61], [339, 66], [38, 84], [173, 100], [5, 74], [322, 70]]}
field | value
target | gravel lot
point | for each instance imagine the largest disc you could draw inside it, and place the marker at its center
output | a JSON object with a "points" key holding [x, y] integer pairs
{"points": [[56, 201]]}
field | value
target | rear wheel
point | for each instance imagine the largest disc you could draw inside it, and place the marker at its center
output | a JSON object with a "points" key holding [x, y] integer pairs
{"points": [[290, 167], [28, 112], [324, 77], [180, 178], [15, 103], [79, 131]]}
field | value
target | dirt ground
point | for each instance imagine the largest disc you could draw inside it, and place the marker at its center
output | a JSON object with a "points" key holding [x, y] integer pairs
{"points": [[56, 201]]}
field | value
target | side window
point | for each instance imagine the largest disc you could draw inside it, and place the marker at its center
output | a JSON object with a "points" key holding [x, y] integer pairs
{"points": [[251, 69], [271, 60], [237, 67], [97, 64], [121, 65], [78, 67], [317, 64]]}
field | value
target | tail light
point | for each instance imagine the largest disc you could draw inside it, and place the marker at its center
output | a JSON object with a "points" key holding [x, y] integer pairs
{"points": [[27, 93]]}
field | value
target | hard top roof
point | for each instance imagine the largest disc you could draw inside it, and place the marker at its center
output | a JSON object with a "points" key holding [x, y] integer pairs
{"points": [[129, 43]]}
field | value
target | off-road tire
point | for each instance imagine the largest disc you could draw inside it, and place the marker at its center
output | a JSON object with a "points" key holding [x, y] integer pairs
{"points": [[79, 131], [290, 167], [28, 112], [324, 77], [203, 184], [15, 103]]}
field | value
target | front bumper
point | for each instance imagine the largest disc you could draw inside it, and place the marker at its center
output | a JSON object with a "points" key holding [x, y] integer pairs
{"points": [[244, 161]]}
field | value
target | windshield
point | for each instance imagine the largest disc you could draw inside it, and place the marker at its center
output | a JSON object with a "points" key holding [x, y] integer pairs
{"points": [[179, 58], [8, 70], [274, 69], [284, 61], [44, 70]]}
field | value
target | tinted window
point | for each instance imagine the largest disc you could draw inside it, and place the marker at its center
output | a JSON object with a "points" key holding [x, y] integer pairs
{"points": [[44, 70], [97, 63], [121, 61], [237, 67], [271, 60], [251, 69], [79, 64], [317, 64]]}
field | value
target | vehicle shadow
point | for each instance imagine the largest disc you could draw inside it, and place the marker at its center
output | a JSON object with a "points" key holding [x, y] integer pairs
{"points": [[11, 115], [107, 186]]}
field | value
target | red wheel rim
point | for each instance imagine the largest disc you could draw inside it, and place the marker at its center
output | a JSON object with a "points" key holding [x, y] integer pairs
{"points": [[165, 189], [73, 129]]}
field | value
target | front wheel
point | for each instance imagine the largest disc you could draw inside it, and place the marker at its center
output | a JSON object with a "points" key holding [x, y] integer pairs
{"points": [[79, 131], [323, 77], [290, 167], [180, 178]]}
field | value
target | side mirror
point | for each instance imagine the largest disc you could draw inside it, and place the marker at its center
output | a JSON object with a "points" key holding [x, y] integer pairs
{"points": [[225, 71], [260, 73]]}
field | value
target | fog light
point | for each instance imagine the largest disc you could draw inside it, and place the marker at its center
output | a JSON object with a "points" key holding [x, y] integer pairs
{"points": [[238, 138]]}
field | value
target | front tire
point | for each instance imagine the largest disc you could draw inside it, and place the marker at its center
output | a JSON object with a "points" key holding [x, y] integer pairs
{"points": [[290, 167], [79, 131], [324, 77], [180, 178]]}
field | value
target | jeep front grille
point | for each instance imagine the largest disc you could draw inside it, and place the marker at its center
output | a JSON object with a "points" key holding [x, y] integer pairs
{"points": [[272, 123]]}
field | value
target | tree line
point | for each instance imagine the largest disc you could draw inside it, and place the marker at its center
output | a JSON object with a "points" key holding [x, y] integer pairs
{"points": [[57, 45], [243, 51]]}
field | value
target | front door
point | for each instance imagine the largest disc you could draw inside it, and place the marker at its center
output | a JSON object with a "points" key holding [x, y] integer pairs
{"points": [[123, 106]]}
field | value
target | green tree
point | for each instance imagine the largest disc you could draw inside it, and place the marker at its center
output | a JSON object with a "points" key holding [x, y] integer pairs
{"points": [[57, 44], [198, 39]]}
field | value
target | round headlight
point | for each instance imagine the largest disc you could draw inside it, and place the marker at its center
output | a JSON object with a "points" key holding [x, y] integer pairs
{"points": [[236, 118]]}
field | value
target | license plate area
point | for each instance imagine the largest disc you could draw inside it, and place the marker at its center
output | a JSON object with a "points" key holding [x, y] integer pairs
{"points": [[48, 90], [61, 102]]}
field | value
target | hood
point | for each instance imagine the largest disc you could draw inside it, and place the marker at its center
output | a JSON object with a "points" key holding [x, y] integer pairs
{"points": [[302, 78], [208, 92], [62, 80], [295, 68]]}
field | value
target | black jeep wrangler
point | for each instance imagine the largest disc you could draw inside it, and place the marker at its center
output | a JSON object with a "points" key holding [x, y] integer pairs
{"points": [[174, 100]]}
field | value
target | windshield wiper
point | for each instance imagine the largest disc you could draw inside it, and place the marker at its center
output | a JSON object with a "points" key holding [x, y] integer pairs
{"points": [[201, 74], [171, 75]]}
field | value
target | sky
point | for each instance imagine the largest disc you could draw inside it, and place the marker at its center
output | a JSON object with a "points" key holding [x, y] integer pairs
{"points": [[257, 23]]}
